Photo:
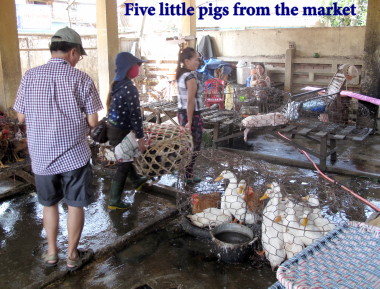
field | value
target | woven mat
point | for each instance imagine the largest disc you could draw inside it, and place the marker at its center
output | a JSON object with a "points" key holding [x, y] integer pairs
{"points": [[347, 257]]}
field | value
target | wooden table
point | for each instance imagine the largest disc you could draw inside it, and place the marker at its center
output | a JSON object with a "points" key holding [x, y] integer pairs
{"points": [[325, 134], [215, 119], [222, 119], [161, 110]]}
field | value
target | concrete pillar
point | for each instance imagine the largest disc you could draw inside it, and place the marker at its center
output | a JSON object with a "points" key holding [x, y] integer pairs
{"points": [[188, 25], [108, 45], [10, 65], [370, 84], [289, 56]]}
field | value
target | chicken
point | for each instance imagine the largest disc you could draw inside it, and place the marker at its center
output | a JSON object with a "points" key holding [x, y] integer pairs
{"points": [[18, 145], [4, 135], [107, 154], [210, 217], [200, 202], [252, 199]]}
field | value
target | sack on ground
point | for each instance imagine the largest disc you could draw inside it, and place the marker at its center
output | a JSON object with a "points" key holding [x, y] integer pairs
{"points": [[99, 133]]}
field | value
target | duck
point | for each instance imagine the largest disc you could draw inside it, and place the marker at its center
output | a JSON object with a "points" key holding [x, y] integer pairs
{"points": [[210, 217], [293, 242], [233, 199], [230, 176], [230, 194], [315, 215], [311, 233], [272, 237], [239, 209]]}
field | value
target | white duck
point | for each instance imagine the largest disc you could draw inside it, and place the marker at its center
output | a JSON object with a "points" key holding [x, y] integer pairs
{"points": [[315, 216], [233, 198], [272, 228], [210, 217], [311, 232], [239, 209], [230, 176], [293, 233], [230, 198]]}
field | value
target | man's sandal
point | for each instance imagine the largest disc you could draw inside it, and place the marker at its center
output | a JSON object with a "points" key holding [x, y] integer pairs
{"points": [[50, 260], [83, 257]]}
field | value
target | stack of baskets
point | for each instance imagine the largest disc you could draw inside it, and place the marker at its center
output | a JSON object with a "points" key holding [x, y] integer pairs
{"points": [[169, 147]]}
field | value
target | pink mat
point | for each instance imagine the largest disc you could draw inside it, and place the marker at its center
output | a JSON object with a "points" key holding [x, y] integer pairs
{"points": [[350, 94]]}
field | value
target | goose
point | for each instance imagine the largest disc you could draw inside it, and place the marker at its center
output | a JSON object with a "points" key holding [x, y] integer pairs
{"points": [[210, 217], [315, 216], [272, 228]]}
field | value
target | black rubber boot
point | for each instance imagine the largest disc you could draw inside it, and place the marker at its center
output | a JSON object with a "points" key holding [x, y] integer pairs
{"points": [[115, 202], [134, 179]]}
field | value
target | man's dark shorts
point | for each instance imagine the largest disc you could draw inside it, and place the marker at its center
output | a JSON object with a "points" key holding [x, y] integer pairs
{"points": [[75, 187]]}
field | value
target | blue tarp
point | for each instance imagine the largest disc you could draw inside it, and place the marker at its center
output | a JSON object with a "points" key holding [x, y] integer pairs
{"points": [[207, 70]]}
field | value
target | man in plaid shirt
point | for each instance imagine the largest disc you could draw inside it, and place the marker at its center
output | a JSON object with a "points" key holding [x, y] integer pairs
{"points": [[59, 103]]}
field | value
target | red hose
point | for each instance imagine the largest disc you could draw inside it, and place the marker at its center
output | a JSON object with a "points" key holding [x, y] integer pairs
{"points": [[333, 181]]}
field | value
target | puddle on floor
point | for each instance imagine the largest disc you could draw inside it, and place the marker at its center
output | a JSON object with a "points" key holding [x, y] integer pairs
{"points": [[170, 258]]}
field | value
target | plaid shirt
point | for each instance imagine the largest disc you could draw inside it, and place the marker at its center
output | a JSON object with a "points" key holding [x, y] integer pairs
{"points": [[182, 91], [55, 99]]}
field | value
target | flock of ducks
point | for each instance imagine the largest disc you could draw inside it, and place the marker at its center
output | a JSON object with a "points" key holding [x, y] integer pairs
{"points": [[287, 227]]}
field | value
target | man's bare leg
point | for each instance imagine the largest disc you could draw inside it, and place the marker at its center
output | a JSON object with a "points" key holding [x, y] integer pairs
{"points": [[50, 222], [75, 222]]}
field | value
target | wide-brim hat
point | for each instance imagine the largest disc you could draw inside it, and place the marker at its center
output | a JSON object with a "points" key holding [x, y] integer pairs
{"points": [[68, 35], [124, 61]]}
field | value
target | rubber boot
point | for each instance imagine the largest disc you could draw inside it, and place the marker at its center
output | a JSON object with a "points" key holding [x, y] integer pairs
{"points": [[134, 179], [115, 202]]}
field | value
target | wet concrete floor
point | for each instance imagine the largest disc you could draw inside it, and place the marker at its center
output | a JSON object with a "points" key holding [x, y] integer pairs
{"points": [[146, 247]]}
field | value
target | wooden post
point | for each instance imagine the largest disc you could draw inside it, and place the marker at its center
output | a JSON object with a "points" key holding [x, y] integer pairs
{"points": [[108, 45], [188, 23], [10, 65], [289, 56], [370, 84]]}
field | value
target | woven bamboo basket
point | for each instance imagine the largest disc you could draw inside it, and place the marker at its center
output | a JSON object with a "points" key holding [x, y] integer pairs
{"points": [[168, 148]]}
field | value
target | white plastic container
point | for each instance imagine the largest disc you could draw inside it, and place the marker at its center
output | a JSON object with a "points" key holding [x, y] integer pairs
{"points": [[242, 74]]}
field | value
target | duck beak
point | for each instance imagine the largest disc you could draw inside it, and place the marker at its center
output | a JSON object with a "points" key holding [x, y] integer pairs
{"points": [[265, 196], [278, 219], [240, 190], [304, 222], [306, 198], [218, 178]]}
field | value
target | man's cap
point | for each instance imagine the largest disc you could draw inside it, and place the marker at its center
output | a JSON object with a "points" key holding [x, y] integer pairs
{"points": [[124, 61], [68, 35]]}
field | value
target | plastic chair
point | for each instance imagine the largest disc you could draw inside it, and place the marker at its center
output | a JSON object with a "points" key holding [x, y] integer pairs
{"points": [[214, 92]]}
